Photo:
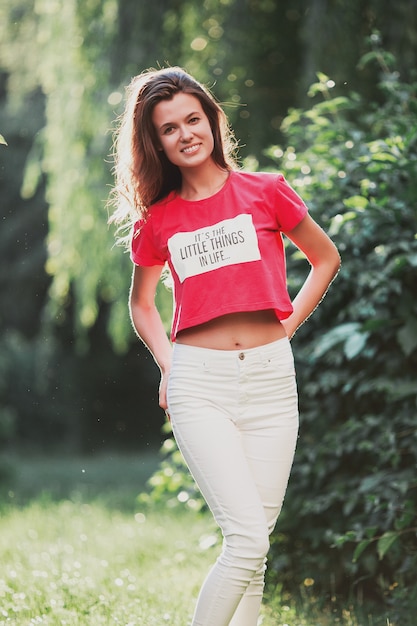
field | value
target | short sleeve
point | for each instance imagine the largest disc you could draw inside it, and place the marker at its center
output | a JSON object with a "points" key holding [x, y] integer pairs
{"points": [[291, 209], [143, 251]]}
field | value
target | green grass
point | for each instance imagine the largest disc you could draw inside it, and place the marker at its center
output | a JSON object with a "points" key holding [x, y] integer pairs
{"points": [[76, 548], [71, 563], [111, 478]]}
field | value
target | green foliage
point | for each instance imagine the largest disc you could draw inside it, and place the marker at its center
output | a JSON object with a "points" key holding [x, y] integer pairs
{"points": [[80, 563], [27, 369], [79, 94], [172, 484], [351, 509]]}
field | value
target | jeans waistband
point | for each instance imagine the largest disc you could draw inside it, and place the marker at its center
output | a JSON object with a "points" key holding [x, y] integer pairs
{"points": [[193, 354]]}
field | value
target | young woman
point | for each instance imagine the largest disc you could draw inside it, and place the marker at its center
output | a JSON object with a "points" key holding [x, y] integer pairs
{"points": [[228, 383]]}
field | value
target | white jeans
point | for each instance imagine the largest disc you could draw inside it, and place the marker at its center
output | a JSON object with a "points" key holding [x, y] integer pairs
{"points": [[234, 416]]}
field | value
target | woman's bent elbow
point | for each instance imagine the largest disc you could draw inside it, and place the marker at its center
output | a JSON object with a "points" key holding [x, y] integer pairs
{"points": [[337, 262]]}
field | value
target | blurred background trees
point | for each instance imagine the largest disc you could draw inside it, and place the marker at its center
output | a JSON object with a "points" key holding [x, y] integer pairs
{"points": [[74, 378]]}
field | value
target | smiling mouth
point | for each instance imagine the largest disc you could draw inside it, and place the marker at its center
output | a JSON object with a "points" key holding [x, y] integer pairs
{"points": [[191, 149]]}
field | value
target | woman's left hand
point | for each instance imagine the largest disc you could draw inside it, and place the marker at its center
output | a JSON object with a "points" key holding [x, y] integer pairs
{"points": [[163, 391]]}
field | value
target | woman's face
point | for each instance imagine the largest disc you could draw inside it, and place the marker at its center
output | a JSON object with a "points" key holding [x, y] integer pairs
{"points": [[183, 131]]}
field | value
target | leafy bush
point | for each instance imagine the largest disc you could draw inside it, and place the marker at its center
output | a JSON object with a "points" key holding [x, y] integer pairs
{"points": [[172, 485], [350, 517], [349, 521]]}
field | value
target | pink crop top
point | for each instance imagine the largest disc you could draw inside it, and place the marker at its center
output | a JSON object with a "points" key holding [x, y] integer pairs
{"points": [[225, 252]]}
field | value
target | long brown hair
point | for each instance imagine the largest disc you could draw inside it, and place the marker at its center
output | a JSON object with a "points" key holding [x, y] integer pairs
{"points": [[143, 174]]}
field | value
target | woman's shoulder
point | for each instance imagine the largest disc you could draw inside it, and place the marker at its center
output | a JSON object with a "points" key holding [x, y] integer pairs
{"points": [[256, 178]]}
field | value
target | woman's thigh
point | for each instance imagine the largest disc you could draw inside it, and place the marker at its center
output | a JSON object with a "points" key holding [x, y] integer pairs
{"points": [[235, 419]]}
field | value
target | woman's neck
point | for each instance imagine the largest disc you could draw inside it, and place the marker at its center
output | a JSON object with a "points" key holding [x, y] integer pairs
{"points": [[200, 183]]}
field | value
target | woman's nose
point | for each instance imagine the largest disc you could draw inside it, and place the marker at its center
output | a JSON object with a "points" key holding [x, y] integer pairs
{"points": [[186, 134]]}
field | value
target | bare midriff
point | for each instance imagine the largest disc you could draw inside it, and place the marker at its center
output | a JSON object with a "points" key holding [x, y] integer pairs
{"points": [[236, 331]]}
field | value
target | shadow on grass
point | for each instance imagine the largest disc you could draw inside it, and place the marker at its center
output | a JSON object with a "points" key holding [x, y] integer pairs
{"points": [[114, 479]]}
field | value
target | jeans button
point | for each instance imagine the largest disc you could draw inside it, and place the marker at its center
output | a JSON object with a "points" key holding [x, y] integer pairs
{"points": [[241, 355]]}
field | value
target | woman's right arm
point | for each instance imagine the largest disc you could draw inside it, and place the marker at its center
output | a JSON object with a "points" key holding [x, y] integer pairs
{"points": [[147, 321]]}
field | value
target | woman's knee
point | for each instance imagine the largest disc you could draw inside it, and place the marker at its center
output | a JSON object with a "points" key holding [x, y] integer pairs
{"points": [[251, 546], [260, 545]]}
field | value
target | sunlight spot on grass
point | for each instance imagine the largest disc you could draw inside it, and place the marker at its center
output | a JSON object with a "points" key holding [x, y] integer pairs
{"points": [[19, 596], [168, 445], [207, 541], [39, 574], [140, 518], [183, 496], [194, 505], [308, 582], [125, 573]]}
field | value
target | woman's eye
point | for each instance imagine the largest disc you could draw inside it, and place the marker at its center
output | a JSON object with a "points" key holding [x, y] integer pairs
{"points": [[168, 130], [194, 120]]}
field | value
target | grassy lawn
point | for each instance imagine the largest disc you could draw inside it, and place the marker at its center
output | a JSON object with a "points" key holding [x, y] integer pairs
{"points": [[72, 563], [76, 548]]}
